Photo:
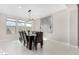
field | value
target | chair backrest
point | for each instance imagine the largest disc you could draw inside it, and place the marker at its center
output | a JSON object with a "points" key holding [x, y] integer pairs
{"points": [[21, 35], [39, 36], [25, 35]]}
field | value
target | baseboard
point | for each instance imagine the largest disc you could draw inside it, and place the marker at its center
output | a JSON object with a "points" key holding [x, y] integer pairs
{"points": [[65, 43]]}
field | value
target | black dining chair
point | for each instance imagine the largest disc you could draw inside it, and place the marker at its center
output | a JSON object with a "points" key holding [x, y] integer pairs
{"points": [[39, 39], [29, 40], [26, 38], [20, 37]]}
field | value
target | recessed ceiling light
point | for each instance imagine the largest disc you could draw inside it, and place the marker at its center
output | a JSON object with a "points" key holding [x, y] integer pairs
{"points": [[19, 6]]}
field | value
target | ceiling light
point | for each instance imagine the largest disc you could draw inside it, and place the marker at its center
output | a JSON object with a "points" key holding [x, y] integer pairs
{"points": [[20, 7]]}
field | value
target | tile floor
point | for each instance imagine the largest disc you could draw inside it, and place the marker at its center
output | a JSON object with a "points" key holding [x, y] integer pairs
{"points": [[14, 47]]}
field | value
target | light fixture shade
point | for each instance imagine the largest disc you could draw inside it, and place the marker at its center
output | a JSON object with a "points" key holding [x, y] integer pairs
{"points": [[29, 10]]}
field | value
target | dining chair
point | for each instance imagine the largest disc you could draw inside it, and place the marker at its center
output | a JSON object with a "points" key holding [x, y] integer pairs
{"points": [[39, 39], [20, 36], [26, 38]]}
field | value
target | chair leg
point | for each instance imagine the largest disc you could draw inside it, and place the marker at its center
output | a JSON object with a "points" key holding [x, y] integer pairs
{"points": [[30, 45], [27, 45], [35, 45], [24, 43], [41, 44]]}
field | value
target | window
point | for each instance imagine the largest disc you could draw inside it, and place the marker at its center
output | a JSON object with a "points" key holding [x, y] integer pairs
{"points": [[14, 25], [20, 25], [11, 26], [29, 25]]}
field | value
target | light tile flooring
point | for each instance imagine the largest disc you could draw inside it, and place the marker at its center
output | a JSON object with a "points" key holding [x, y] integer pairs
{"points": [[14, 47]]}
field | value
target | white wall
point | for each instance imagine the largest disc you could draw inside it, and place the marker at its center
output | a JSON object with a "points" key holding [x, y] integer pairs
{"points": [[60, 26], [2, 27], [74, 27], [36, 25], [65, 26]]}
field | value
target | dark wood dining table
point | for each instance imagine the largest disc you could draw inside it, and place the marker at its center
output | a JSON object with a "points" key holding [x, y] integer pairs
{"points": [[34, 38]]}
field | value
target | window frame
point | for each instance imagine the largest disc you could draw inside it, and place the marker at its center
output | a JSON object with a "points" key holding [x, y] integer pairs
{"points": [[9, 26], [16, 24]]}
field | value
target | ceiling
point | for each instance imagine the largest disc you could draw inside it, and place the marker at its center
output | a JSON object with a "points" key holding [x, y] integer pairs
{"points": [[38, 10]]}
